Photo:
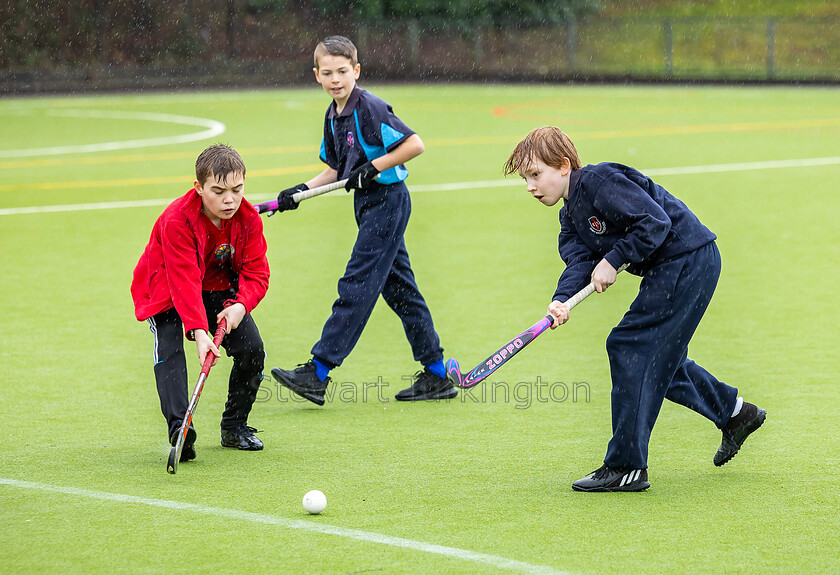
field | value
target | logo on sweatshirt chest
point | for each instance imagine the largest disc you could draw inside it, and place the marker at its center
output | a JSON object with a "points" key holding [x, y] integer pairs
{"points": [[596, 226], [350, 139], [222, 252]]}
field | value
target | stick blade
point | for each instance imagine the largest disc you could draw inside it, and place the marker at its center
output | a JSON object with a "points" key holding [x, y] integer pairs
{"points": [[453, 372], [172, 464], [175, 452]]}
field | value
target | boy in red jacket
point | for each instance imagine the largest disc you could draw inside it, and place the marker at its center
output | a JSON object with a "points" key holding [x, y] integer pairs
{"points": [[206, 260]]}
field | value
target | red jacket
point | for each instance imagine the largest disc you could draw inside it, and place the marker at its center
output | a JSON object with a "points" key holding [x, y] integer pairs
{"points": [[171, 269]]}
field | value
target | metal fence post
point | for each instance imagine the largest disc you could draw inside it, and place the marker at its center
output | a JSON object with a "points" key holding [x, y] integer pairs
{"points": [[362, 37], [478, 45], [571, 30], [229, 31], [413, 43], [771, 48], [99, 18]]}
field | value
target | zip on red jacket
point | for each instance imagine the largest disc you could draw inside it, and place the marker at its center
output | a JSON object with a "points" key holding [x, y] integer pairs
{"points": [[171, 269]]}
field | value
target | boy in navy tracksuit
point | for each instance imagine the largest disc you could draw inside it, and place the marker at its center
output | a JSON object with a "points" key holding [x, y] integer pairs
{"points": [[367, 144], [614, 215]]}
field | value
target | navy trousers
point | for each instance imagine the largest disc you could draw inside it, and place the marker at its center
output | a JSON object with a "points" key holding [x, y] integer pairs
{"points": [[378, 265], [244, 344], [648, 353]]}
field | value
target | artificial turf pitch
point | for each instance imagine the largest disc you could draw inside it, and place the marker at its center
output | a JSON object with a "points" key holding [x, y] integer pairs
{"points": [[480, 484]]}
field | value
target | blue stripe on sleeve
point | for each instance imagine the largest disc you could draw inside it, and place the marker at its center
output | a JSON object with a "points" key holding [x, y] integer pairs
{"points": [[389, 176], [389, 135]]}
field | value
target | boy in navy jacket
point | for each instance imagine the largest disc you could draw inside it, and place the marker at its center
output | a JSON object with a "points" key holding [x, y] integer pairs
{"points": [[367, 144], [613, 215]]}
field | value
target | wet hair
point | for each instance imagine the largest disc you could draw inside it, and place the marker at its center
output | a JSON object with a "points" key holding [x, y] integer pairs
{"points": [[337, 46], [549, 145], [218, 160]]}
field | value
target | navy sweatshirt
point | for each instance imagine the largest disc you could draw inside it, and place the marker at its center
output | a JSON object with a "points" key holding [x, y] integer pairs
{"points": [[619, 214]]}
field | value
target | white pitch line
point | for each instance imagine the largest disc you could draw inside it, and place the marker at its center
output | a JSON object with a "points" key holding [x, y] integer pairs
{"points": [[445, 187], [214, 128], [316, 527], [84, 207], [745, 166]]}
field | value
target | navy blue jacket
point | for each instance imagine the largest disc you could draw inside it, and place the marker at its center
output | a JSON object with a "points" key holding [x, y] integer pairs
{"points": [[366, 129], [617, 213]]}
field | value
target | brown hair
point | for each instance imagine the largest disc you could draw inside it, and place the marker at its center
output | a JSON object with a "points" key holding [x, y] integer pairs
{"points": [[218, 160], [337, 46], [549, 145]]}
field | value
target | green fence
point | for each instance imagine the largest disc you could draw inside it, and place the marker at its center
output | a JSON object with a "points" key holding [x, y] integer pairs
{"points": [[697, 48], [233, 49]]}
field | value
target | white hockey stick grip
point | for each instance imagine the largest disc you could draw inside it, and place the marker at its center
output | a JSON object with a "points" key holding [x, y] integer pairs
{"points": [[587, 291], [298, 197]]}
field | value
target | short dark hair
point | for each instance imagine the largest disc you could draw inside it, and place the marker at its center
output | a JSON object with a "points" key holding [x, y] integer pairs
{"points": [[218, 160], [337, 46]]}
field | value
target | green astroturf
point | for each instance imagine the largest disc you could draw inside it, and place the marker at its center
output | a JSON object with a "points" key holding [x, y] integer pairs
{"points": [[487, 473]]}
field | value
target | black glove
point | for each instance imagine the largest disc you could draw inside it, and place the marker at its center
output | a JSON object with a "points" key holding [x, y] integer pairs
{"points": [[285, 200], [361, 177]]}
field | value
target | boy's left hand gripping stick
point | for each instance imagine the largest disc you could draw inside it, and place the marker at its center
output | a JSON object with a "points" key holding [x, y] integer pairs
{"points": [[175, 452]]}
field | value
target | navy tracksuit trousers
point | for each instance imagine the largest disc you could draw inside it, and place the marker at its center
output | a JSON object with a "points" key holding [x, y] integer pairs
{"points": [[648, 353], [378, 265]]}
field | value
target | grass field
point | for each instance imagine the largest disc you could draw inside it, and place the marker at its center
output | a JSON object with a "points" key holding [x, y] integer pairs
{"points": [[480, 484]]}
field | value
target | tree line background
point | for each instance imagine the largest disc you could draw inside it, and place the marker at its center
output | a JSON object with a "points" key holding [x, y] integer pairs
{"points": [[118, 44], [39, 33]]}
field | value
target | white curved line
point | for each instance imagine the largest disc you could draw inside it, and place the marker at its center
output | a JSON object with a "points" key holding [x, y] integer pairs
{"points": [[214, 128], [288, 523]]}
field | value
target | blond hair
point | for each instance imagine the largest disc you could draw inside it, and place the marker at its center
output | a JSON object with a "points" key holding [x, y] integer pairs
{"points": [[549, 145]]}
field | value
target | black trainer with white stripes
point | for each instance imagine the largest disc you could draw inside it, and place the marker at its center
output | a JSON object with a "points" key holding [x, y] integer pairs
{"points": [[607, 478]]}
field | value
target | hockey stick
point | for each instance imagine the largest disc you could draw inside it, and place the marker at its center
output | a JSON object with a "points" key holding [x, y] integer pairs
{"points": [[175, 452], [298, 197], [511, 348]]}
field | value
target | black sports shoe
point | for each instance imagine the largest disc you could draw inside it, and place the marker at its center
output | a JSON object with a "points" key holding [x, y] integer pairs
{"points": [[242, 437], [427, 386], [736, 431], [607, 478], [188, 451], [303, 380]]}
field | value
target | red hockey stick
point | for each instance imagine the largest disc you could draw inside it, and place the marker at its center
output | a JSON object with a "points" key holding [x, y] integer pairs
{"points": [[175, 453]]}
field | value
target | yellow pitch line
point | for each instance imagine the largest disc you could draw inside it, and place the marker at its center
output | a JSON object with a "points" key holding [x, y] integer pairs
{"points": [[186, 180], [711, 128], [130, 158], [656, 131]]}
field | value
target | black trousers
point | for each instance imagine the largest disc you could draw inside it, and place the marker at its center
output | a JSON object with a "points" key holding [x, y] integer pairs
{"points": [[244, 344]]}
